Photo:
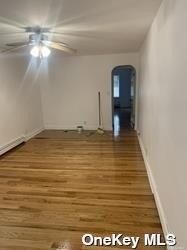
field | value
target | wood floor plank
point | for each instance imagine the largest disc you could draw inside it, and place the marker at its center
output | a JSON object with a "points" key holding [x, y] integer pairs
{"points": [[56, 187]]}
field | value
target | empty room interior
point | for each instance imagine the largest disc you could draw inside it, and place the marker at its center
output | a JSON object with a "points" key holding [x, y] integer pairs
{"points": [[93, 140]]}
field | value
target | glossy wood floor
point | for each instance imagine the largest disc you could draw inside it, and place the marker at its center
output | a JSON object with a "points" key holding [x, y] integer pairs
{"points": [[56, 188]]}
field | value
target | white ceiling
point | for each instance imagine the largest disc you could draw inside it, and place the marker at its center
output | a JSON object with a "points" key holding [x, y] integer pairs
{"points": [[90, 26]]}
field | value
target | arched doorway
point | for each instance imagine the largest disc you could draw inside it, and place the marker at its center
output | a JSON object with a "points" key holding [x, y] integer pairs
{"points": [[123, 98]]}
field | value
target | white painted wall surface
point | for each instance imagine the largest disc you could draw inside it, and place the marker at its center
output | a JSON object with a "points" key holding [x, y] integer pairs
{"points": [[70, 88], [20, 100], [163, 112]]}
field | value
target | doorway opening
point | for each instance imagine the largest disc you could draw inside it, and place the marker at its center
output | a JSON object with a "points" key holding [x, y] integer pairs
{"points": [[123, 98]]}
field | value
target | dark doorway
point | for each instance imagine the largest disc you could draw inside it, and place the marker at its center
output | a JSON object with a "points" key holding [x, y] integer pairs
{"points": [[123, 98]]}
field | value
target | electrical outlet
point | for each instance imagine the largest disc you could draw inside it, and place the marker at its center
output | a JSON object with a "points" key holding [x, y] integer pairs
{"points": [[80, 123]]}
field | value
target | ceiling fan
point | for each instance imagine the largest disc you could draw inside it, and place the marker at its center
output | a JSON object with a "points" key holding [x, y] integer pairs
{"points": [[39, 42]]}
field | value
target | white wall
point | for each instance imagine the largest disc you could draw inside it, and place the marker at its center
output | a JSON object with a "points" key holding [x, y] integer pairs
{"points": [[163, 115], [20, 100], [70, 88]]}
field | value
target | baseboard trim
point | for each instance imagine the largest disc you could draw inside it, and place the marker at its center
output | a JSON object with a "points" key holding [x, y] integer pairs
{"points": [[14, 143], [154, 190], [33, 134], [53, 127], [11, 145]]}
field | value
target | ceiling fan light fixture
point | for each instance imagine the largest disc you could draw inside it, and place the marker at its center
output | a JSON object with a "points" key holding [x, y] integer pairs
{"points": [[40, 43], [35, 51], [45, 51], [40, 51]]}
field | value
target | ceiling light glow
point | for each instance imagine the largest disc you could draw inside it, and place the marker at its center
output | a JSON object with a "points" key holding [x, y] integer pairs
{"points": [[40, 51], [45, 51], [35, 51]]}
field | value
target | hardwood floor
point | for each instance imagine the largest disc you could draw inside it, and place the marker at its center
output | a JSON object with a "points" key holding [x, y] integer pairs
{"points": [[59, 186]]}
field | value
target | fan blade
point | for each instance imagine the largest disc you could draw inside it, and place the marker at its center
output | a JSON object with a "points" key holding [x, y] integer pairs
{"points": [[19, 44], [60, 43], [37, 29], [12, 49], [12, 33], [59, 46]]}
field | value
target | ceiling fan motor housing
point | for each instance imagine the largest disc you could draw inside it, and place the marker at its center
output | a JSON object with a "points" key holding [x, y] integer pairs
{"points": [[37, 38]]}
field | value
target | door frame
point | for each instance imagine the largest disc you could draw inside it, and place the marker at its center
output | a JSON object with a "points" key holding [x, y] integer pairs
{"points": [[135, 92]]}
